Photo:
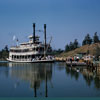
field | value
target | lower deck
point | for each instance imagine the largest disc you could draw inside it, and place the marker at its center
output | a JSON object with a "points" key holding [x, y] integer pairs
{"points": [[25, 57], [30, 58], [31, 61]]}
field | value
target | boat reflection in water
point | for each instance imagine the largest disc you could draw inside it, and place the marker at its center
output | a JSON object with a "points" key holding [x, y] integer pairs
{"points": [[48, 80], [34, 73]]}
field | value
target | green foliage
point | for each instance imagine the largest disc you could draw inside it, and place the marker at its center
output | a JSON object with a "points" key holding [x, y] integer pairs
{"points": [[6, 48], [67, 48], [87, 40], [4, 53], [76, 44], [95, 38], [57, 52], [72, 46]]}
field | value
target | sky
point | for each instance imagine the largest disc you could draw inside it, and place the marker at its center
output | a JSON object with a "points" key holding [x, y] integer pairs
{"points": [[66, 20]]}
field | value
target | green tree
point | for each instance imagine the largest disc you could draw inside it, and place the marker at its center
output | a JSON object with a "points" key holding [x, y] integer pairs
{"points": [[6, 48], [76, 44], [84, 42], [67, 48], [71, 46], [95, 38], [4, 53], [87, 40]]}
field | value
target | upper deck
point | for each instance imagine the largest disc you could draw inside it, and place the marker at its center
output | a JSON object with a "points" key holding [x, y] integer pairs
{"points": [[32, 46], [29, 44]]}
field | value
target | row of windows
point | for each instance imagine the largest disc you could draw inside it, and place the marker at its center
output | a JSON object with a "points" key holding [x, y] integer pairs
{"points": [[24, 57], [27, 50]]}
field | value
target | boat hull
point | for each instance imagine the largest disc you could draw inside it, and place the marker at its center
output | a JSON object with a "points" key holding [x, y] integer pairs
{"points": [[35, 61]]}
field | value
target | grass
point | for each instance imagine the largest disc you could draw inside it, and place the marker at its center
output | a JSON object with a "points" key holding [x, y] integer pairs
{"points": [[93, 49]]}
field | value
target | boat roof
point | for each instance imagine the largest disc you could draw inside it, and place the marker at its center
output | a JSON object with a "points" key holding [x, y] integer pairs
{"points": [[24, 43], [31, 36]]}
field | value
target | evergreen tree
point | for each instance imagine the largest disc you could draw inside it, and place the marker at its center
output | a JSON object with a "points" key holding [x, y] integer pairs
{"points": [[87, 40], [84, 42], [95, 38], [67, 48], [75, 44], [71, 46], [4, 53], [6, 48]]}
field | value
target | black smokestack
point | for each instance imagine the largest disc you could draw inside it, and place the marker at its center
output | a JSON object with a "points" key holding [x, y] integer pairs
{"points": [[45, 34], [33, 32], [44, 40]]}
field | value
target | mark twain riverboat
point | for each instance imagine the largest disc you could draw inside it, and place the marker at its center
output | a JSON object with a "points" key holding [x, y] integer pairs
{"points": [[32, 51]]}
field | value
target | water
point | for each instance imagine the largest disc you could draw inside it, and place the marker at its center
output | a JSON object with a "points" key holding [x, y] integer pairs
{"points": [[48, 80]]}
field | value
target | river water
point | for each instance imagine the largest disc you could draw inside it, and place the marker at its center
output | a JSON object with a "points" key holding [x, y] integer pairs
{"points": [[48, 80]]}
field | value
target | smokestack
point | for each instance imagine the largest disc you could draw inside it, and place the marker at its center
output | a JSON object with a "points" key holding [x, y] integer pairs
{"points": [[33, 32], [44, 40], [45, 34]]}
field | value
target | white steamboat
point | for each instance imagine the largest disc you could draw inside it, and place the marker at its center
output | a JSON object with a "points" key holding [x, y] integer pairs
{"points": [[32, 51]]}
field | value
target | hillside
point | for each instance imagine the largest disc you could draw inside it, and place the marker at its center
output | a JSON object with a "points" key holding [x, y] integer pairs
{"points": [[94, 49]]}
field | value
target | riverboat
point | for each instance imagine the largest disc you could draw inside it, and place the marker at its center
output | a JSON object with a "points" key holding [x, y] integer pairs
{"points": [[32, 51]]}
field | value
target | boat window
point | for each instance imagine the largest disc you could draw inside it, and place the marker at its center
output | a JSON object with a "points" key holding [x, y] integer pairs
{"points": [[12, 56], [25, 57], [37, 49], [33, 56], [17, 57], [33, 49], [29, 56]]}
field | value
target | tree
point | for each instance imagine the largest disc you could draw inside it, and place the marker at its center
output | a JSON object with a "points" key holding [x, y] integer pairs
{"points": [[71, 46], [87, 40], [75, 44], [4, 53], [84, 42], [6, 48], [95, 38], [67, 48], [59, 50]]}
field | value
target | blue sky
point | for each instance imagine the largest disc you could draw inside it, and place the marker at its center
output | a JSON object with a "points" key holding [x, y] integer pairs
{"points": [[65, 19]]}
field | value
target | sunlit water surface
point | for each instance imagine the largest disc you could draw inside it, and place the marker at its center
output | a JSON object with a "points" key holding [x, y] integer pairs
{"points": [[48, 80]]}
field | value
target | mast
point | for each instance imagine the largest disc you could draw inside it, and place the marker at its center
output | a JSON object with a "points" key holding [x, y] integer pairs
{"points": [[33, 32], [46, 86], [44, 40], [35, 93]]}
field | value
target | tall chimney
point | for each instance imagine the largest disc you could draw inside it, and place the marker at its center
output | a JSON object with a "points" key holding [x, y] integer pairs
{"points": [[45, 34], [44, 40], [33, 32]]}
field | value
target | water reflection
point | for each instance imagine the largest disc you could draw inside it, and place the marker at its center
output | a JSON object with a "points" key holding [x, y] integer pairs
{"points": [[90, 74], [60, 65], [4, 68], [34, 73], [48, 79], [72, 72], [4, 64]]}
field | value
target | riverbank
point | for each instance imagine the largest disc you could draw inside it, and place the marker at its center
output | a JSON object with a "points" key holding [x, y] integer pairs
{"points": [[3, 59], [92, 49]]}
